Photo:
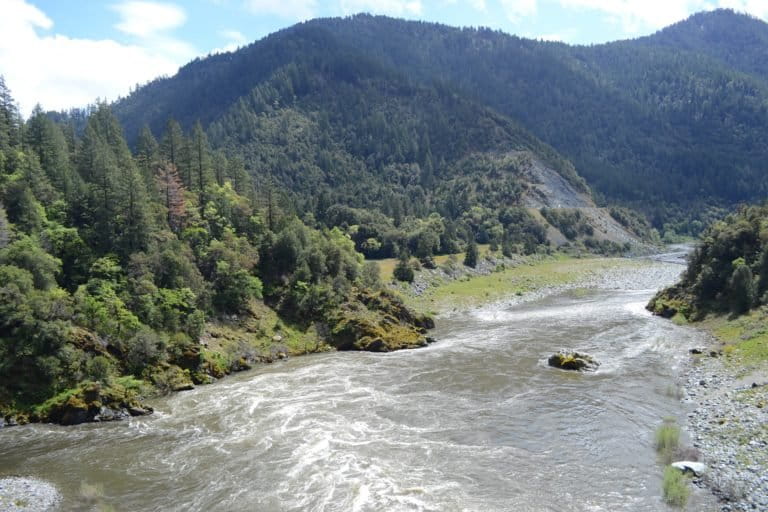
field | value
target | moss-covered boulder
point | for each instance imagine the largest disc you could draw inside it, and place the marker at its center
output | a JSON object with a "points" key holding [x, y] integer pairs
{"points": [[378, 322], [573, 361], [93, 401], [170, 377], [671, 302]]}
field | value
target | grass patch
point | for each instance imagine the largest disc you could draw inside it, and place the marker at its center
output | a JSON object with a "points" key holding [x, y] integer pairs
{"points": [[667, 440], [132, 384], [387, 265], [745, 338], [536, 273], [675, 487]]}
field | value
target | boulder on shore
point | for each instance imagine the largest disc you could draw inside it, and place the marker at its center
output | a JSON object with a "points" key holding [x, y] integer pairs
{"points": [[687, 466], [573, 361]]}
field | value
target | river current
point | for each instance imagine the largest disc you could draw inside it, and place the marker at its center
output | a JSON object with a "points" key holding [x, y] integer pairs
{"points": [[474, 422]]}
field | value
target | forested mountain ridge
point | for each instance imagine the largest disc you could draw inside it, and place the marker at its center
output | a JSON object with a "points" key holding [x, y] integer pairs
{"points": [[739, 41], [668, 123], [352, 143]]}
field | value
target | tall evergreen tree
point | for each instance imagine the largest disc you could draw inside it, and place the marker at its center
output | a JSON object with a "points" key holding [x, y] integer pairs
{"points": [[172, 145], [9, 118], [117, 197], [5, 228], [49, 143], [201, 157], [147, 154], [471, 253]]}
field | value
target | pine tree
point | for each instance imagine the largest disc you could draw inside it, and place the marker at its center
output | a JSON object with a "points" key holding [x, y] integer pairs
{"points": [[49, 143], [201, 158], [135, 223], [240, 179], [172, 145], [471, 254], [9, 118], [219, 165], [5, 228], [119, 218], [147, 154]]}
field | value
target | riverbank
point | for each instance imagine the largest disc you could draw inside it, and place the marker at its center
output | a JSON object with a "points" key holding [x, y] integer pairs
{"points": [[453, 286], [727, 387]]}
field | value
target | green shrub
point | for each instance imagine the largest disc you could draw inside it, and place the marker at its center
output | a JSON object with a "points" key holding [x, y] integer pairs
{"points": [[99, 368], [403, 270], [675, 487], [667, 440]]}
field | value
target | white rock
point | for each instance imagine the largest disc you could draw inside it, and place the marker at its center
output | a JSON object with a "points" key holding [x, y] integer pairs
{"points": [[687, 466]]}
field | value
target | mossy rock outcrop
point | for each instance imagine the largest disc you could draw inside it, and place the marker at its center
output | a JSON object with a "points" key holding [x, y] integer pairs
{"points": [[92, 401], [170, 377], [671, 302], [573, 361], [378, 322]]}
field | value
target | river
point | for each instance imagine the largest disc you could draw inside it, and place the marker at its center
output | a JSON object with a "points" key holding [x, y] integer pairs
{"points": [[475, 422]]}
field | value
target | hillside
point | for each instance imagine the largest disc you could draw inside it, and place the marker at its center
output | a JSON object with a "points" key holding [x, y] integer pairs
{"points": [[738, 41], [395, 163], [121, 276], [672, 124]]}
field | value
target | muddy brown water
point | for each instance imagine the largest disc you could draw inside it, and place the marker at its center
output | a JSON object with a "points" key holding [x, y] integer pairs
{"points": [[475, 422]]}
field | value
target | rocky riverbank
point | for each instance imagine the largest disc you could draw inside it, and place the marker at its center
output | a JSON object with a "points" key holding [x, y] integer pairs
{"points": [[729, 428], [19, 494]]}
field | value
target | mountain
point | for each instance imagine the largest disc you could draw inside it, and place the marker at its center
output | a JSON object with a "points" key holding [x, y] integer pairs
{"points": [[356, 143], [739, 41], [672, 124]]}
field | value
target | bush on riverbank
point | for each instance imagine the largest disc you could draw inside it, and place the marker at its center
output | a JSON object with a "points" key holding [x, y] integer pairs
{"points": [[667, 440], [675, 487]]}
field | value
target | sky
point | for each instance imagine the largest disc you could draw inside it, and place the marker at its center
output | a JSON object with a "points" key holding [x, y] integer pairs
{"points": [[68, 53]]}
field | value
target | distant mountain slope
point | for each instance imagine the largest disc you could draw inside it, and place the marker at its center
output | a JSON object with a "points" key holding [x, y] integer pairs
{"points": [[643, 124], [671, 123], [738, 40]]}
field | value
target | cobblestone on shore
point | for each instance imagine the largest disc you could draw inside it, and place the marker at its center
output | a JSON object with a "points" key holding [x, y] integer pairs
{"points": [[729, 428], [19, 494]]}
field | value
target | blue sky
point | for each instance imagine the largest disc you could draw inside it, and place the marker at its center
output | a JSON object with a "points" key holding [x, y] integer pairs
{"points": [[65, 53]]}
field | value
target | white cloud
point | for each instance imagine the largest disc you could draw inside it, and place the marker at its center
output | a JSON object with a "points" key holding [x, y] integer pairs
{"points": [[235, 39], [392, 7], [517, 9], [640, 15], [233, 35], [144, 19], [62, 72], [635, 15], [757, 8], [290, 9], [479, 5]]}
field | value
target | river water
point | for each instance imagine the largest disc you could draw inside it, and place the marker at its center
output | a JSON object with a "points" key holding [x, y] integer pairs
{"points": [[475, 422]]}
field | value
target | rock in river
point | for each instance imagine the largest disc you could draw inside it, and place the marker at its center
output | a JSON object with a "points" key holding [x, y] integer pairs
{"points": [[573, 361]]}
